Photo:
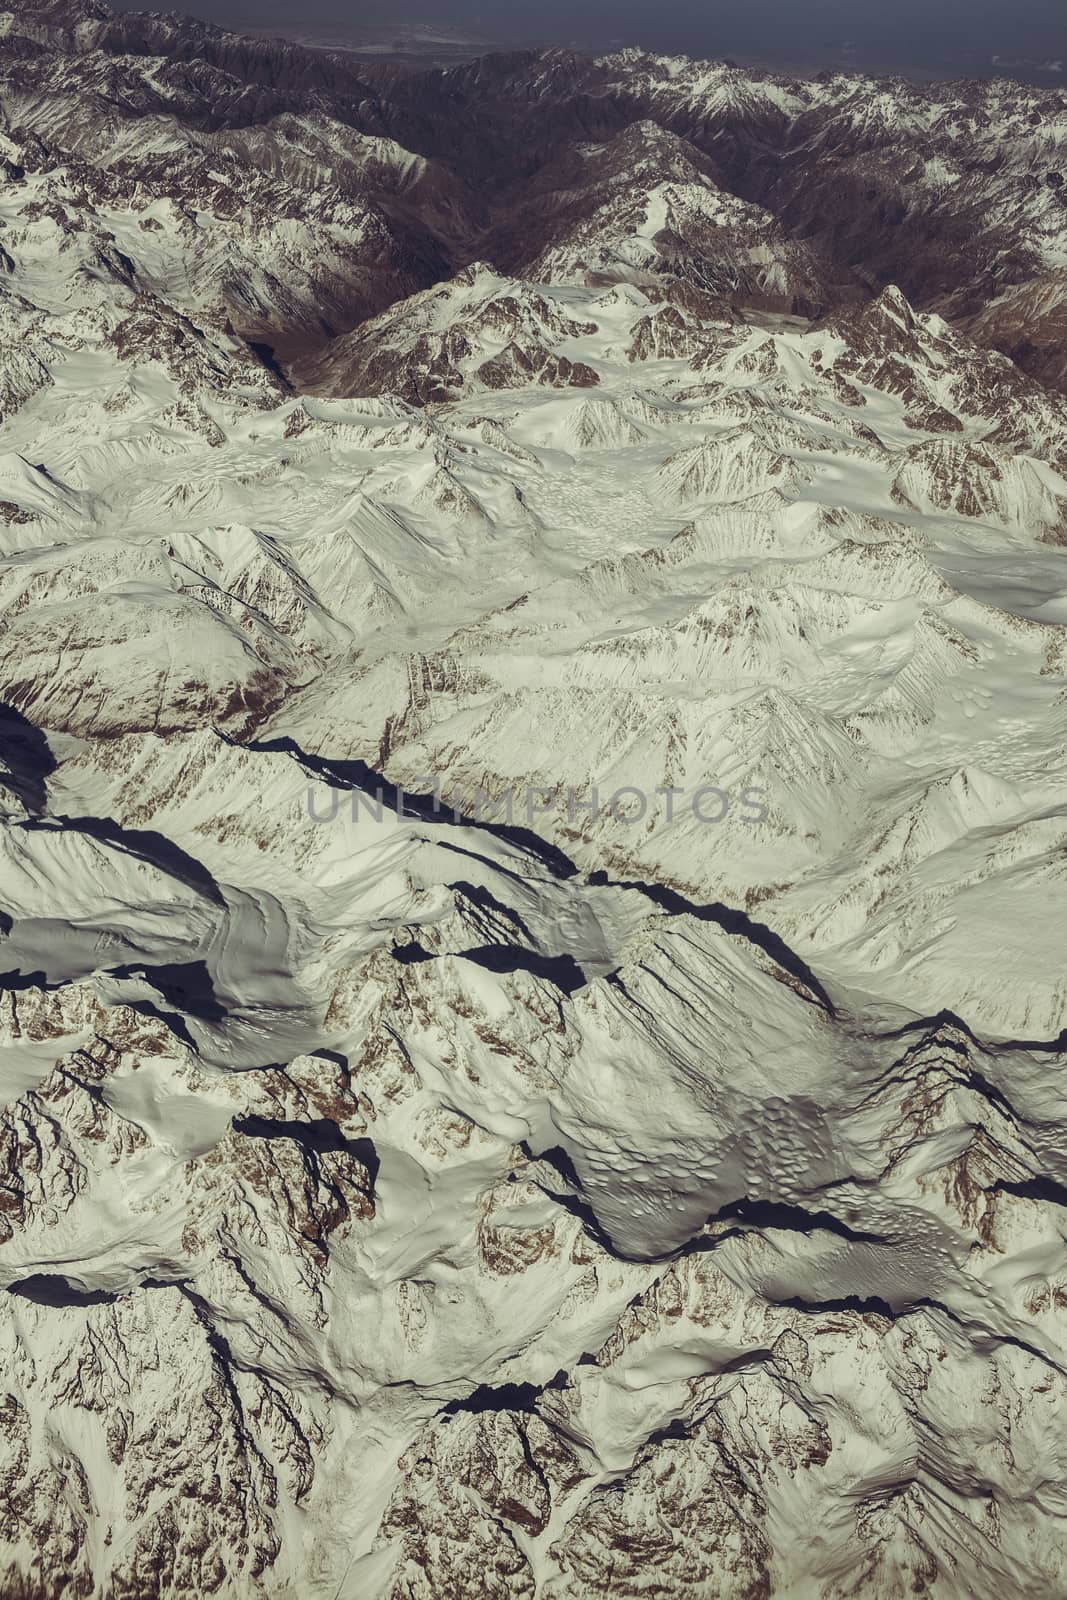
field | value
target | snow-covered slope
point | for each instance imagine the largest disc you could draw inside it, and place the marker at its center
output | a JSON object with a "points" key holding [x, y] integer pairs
{"points": [[531, 845]]}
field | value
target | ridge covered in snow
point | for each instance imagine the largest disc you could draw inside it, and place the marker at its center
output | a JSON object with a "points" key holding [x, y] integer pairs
{"points": [[533, 728]]}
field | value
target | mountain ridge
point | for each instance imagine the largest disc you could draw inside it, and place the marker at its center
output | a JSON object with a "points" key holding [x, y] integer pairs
{"points": [[533, 712]]}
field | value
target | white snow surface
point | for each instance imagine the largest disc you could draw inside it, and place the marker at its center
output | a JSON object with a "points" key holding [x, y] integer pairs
{"points": [[406, 1201]]}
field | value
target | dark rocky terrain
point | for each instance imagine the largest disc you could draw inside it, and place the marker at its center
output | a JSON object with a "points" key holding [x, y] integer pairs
{"points": [[792, 196]]}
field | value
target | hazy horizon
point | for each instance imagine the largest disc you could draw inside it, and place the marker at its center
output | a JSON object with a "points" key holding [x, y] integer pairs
{"points": [[937, 36]]}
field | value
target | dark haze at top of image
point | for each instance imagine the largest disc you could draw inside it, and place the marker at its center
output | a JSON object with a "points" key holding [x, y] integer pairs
{"points": [[1025, 38]]}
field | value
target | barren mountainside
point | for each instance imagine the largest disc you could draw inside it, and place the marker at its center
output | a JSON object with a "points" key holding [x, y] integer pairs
{"points": [[533, 732]]}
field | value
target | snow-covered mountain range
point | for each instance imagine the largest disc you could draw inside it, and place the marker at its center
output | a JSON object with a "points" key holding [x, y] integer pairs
{"points": [[533, 740]]}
